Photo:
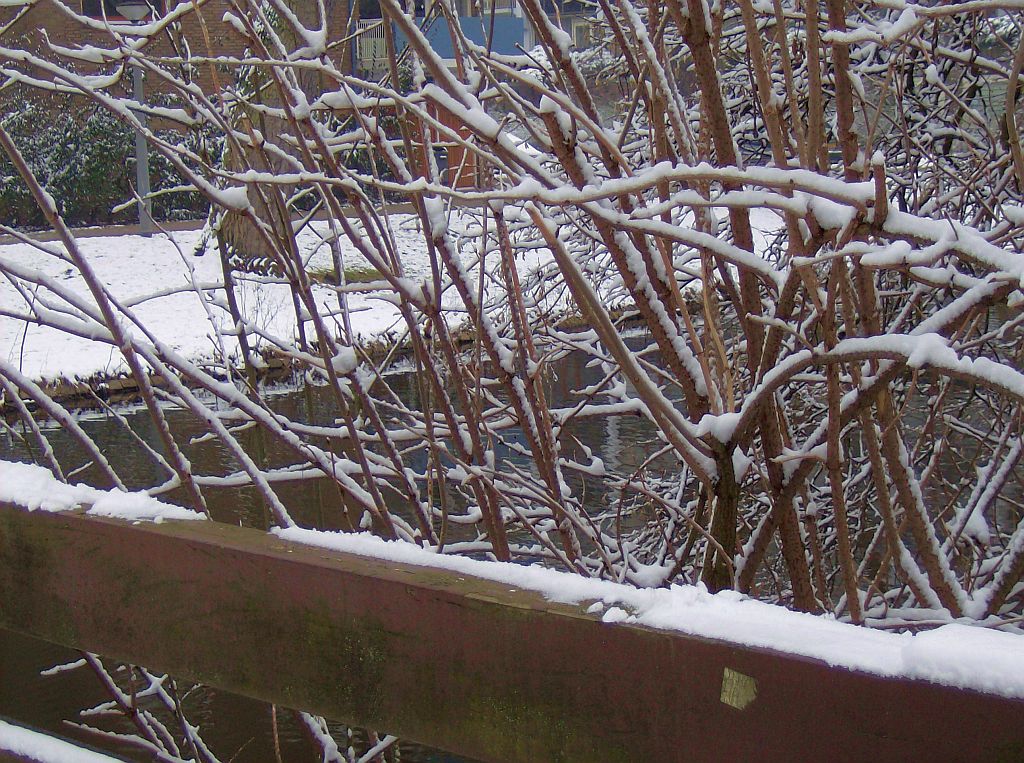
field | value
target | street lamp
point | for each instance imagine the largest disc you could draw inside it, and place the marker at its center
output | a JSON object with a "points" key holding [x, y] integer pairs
{"points": [[135, 11]]}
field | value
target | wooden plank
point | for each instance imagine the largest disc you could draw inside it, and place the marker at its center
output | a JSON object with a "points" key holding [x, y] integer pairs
{"points": [[462, 664]]}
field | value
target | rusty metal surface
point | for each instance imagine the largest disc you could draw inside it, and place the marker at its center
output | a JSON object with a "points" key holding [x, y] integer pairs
{"points": [[461, 664]]}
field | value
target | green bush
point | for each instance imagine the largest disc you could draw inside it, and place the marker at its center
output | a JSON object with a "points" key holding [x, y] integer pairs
{"points": [[87, 163]]}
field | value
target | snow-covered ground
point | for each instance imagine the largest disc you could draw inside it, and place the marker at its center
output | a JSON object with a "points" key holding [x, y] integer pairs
{"points": [[969, 657], [134, 267], [168, 272]]}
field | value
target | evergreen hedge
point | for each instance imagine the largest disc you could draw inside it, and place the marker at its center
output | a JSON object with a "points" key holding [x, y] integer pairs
{"points": [[85, 158]]}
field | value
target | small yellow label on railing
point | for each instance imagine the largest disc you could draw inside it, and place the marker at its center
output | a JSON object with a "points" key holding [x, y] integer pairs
{"points": [[738, 690]]}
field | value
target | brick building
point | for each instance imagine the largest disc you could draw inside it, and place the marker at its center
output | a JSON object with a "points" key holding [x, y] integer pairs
{"points": [[217, 39], [207, 36]]}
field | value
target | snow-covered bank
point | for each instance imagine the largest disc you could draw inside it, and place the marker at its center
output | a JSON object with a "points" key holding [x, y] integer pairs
{"points": [[960, 655], [179, 296]]}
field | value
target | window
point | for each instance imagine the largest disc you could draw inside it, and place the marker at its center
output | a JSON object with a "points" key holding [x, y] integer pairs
{"points": [[96, 8], [583, 35], [369, 9], [92, 8]]}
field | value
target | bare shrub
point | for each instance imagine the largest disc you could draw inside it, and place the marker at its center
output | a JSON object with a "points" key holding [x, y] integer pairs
{"points": [[811, 210]]}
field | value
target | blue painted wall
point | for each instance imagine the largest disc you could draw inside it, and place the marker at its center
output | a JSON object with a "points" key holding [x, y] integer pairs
{"points": [[508, 32]]}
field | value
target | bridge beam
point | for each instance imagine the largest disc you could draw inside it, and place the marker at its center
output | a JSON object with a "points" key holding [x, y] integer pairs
{"points": [[458, 663]]}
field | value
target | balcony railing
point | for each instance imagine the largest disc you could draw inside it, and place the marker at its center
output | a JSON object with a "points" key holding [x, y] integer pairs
{"points": [[371, 46]]}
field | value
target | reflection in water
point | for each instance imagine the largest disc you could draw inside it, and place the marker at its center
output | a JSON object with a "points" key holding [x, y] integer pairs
{"points": [[230, 726], [622, 441]]}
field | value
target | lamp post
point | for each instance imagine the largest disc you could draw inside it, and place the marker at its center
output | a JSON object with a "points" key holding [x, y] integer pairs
{"points": [[135, 11]]}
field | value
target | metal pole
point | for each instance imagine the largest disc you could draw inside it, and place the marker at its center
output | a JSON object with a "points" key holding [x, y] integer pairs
{"points": [[146, 226]]}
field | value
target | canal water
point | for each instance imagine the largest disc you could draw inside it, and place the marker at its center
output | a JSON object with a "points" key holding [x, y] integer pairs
{"points": [[233, 727]]}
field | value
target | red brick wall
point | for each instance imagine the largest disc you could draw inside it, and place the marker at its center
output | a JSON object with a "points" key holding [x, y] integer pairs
{"points": [[223, 39]]}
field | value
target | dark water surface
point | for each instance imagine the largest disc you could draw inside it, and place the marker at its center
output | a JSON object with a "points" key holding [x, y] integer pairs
{"points": [[233, 727]]}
